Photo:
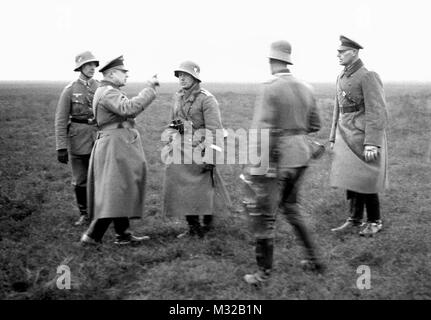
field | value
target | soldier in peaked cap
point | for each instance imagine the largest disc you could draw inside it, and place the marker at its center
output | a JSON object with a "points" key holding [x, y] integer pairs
{"points": [[287, 110], [75, 128], [117, 173], [358, 139], [190, 186]]}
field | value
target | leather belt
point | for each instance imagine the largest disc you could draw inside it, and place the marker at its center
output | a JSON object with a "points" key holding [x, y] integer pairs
{"points": [[117, 125], [86, 121], [350, 109]]}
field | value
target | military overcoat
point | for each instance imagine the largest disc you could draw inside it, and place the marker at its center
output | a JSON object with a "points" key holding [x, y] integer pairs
{"points": [[188, 190], [359, 119], [117, 172]]}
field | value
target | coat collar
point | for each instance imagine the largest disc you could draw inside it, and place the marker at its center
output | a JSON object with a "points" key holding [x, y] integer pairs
{"points": [[190, 94], [349, 70], [283, 72], [82, 79], [105, 83]]}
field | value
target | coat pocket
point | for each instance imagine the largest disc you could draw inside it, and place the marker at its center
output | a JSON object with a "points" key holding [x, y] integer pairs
{"points": [[358, 122]]}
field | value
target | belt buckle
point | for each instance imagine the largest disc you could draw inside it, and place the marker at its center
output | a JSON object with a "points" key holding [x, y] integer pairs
{"points": [[91, 121]]}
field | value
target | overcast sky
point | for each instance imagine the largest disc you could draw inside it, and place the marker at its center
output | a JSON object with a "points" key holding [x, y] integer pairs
{"points": [[229, 39]]}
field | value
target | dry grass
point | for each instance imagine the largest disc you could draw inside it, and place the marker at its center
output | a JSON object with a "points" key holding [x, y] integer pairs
{"points": [[37, 210]]}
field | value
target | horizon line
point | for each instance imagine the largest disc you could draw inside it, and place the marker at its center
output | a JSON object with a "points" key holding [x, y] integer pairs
{"points": [[220, 82]]}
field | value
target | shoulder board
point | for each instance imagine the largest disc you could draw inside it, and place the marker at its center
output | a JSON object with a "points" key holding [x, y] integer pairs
{"points": [[206, 92], [271, 80], [107, 88], [70, 84]]}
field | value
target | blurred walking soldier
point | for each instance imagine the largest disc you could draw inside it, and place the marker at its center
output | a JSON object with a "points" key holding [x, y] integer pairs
{"points": [[358, 138], [287, 109], [191, 184], [117, 174], [75, 128]]}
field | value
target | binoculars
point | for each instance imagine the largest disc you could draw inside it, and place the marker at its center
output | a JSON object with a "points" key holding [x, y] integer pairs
{"points": [[177, 124]]}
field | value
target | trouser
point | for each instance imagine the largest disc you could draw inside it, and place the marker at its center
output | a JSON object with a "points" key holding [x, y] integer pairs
{"points": [[290, 183], [359, 201], [79, 179], [98, 228], [262, 209]]}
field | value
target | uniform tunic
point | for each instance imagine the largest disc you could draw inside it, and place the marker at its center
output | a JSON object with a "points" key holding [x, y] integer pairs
{"points": [[76, 102], [287, 108], [188, 190], [117, 173], [361, 90]]}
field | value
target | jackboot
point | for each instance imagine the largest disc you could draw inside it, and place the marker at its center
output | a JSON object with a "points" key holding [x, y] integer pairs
{"points": [[264, 259], [81, 199], [207, 223], [356, 213], [194, 227]]}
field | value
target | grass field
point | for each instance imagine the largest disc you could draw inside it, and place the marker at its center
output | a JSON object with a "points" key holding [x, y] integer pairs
{"points": [[37, 210]]}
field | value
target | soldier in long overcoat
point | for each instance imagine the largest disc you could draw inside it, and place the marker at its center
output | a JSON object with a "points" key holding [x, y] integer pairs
{"points": [[287, 110], [117, 173], [358, 137], [190, 183], [75, 128]]}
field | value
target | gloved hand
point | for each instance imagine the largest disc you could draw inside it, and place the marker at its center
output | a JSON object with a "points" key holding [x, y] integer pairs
{"points": [[371, 153], [154, 82], [62, 156], [207, 167]]}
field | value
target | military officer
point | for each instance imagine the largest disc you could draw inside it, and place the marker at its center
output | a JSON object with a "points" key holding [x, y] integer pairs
{"points": [[189, 187], [358, 139], [287, 109], [75, 128], [117, 172]]}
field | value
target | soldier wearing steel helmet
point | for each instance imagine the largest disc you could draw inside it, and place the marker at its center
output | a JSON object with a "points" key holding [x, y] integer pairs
{"points": [[75, 128], [358, 137], [189, 187], [287, 109]]}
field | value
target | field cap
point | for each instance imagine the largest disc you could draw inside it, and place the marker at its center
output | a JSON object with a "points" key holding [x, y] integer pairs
{"points": [[83, 58], [189, 67], [347, 44], [117, 63], [281, 50]]}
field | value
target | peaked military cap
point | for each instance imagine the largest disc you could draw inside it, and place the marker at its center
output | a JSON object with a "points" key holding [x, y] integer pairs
{"points": [[281, 50], [117, 63], [347, 44]]}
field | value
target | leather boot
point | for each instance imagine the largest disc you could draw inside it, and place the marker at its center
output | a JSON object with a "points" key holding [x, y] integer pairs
{"points": [[81, 199], [207, 223], [194, 227], [356, 213], [264, 259]]}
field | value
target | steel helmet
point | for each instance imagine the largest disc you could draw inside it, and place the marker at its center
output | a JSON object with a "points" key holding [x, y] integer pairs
{"points": [[189, 67], [281, 50], [83, 58]]}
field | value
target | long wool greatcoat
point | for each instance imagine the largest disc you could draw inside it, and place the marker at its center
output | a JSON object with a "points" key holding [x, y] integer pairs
{"points": [[117, 173], [362, 89], [187, 189]]}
